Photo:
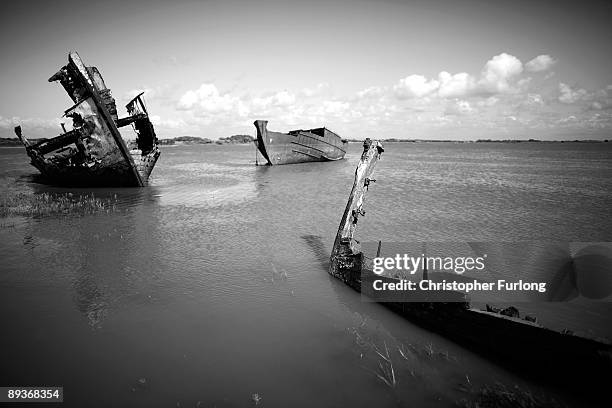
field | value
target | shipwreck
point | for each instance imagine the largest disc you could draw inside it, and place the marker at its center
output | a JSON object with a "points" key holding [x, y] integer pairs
{"points": [[93, 152], [298, 146], [498, 333]]}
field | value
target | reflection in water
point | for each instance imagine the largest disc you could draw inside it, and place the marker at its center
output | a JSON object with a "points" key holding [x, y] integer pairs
{"points": [[209, 197], [95, 253], [315, 242], [262, 179], [207, 185], [90, 300]]}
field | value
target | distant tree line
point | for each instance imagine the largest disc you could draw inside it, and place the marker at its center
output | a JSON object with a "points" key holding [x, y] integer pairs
{"points": [[235, 139]]}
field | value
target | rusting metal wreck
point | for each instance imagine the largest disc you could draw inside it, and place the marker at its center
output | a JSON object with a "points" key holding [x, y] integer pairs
{"points": [[494, 332], [93, 152], [298, 146]]}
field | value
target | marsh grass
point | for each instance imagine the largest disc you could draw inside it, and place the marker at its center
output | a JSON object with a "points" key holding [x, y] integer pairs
{"points": [[431, 353], [498, 395], [385, 372], [405, 352], [411, 360], [46, 204]]}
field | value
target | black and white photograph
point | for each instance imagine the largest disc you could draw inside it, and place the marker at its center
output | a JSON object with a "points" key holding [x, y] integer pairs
{"points": [[306, 203]]}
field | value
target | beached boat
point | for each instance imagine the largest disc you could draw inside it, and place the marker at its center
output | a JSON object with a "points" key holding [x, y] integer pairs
{"points": [[93, 151], [499, 333], [298, 146]]}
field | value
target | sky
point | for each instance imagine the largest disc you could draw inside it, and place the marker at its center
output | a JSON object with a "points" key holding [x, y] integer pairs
{"points": [[454, 69]]}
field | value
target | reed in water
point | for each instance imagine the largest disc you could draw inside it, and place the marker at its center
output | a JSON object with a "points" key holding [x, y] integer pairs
{"points": [[47, 204]]}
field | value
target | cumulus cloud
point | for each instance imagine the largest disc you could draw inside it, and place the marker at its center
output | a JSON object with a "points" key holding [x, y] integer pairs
{"points": [[173, 124], [455, 85], [602, 99], [459, 107], [566, 119], [159, 92], [38, 123], [335, 107], [283, 98], [371, 92], [32, 127], [522, 85], [279, 99], [501, 74], [490, 101], [569, 95], [540, 63], [534, 99], [6, 123], [549, 75], [415, 86], [587, 100], [499, 71], [207, 100], [317, 90], [501, 97]]}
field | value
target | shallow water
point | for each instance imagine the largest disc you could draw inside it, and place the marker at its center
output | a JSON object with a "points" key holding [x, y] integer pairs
{"points": [[211, 284]]}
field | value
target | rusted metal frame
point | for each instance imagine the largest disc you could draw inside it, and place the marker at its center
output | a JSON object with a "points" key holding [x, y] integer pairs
{"points": [[109, 120]]}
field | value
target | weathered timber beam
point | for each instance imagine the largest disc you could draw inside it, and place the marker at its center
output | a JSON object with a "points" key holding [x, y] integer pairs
{"points": [[57, 142], [343, 244], [121, 122]]}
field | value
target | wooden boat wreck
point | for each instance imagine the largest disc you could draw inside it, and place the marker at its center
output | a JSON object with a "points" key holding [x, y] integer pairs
{"points": [[298, 146], [498, 333], [93, 153]]}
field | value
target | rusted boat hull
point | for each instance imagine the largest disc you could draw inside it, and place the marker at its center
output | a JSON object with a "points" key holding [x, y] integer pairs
{"points": [[518, 342], [94, 152], [298, 146], [515, 341]]}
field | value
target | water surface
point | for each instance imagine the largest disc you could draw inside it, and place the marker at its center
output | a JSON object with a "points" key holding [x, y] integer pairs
{"points": [[211, 284]]}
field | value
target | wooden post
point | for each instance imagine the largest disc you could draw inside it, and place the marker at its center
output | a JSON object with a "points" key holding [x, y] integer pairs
{"points": [[345, 245]]}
